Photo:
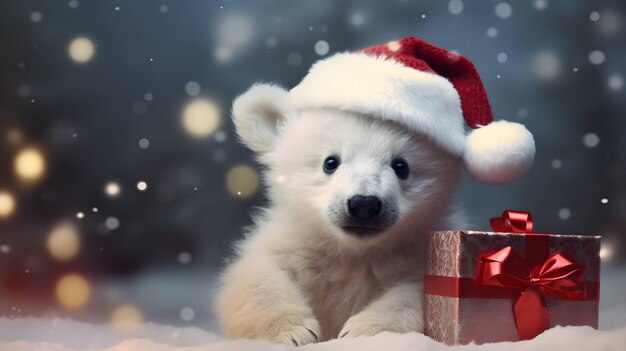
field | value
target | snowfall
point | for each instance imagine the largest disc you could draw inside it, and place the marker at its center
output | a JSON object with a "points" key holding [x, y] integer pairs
{"points": [[58, 334]]}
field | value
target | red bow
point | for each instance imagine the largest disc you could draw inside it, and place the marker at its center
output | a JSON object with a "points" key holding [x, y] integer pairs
{"points": [[512, 222], [557, 276]]}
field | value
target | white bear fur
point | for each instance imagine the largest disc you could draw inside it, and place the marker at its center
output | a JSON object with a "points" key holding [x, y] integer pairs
{"points": [[297, 277]]}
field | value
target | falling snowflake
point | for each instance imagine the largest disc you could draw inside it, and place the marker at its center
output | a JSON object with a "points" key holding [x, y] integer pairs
{"points": [[322, 47], [192, 88], [455, 7], [546, 65], [357, 19], [615, 82], [36, 17], [144, 143], [502, 57], [565, 213], [187, 314], [596, 57], [112, 223], [591, 140], [540, 4], [503, 10], [184, 257]]}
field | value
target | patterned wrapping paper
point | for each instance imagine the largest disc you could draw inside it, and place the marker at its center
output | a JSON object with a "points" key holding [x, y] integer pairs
{"points": [[459, 320]]}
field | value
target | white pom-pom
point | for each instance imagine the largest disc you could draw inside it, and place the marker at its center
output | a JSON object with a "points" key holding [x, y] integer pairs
{"points": [[499, 152]]}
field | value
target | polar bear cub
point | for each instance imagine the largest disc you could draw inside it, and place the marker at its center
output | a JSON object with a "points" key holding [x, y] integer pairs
{"points": [[339, 250]]}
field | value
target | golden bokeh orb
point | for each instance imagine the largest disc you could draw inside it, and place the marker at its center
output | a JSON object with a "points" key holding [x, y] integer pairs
{"points": [[126, 318], [7, 204], [81, 49], [63, 242], [112, 189], [242, 181], [29, 164], [73, 291], [201, 118]]}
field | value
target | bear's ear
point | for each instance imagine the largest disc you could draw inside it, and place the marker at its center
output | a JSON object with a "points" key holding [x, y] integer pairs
{"points": [[258, 114]]}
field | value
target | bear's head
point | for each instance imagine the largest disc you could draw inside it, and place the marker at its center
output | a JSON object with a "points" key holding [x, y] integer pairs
{"points": [[357, 178], [370, 143]]}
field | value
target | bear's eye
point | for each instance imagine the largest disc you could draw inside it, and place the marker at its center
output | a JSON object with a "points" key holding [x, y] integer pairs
{"points": [[401, 168], [330, 164]]}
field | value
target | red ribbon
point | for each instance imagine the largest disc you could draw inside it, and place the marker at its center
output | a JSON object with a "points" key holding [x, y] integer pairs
{"points": [[513, 222], [529, 281], [558, 277]]}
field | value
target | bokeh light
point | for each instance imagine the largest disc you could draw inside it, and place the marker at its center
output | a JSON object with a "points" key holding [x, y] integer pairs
{"points": [[596, 57], [81, 50], [112, 223], [192, 88], [36, 16], [321, 47], [201, 118], [234, 34], [540, 4], [126, 318], [7, 204], [29, 164], [565, 213], [187, 314], [112, 189], [546, 65], [606, 252], [357, 19], [142, 185], [591, 140], [393, 45], [242, 181], [14, 136], [63, 242], [615, 82], [455, 7], [73, 291], [503, 10], [184, 257]]}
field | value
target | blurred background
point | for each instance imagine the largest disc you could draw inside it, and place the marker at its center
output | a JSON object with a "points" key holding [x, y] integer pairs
{"points": [[122, 184]]}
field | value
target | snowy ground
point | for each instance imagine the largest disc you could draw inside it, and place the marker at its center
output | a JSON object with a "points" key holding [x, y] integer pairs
{"points": [[43, 334]]}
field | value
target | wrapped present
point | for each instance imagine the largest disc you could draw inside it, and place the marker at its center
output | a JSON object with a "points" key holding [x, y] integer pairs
{"points": [[509, 284]]}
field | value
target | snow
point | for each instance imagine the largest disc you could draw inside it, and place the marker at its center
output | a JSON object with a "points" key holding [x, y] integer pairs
{"points": [[30, 334], [56, 334]]}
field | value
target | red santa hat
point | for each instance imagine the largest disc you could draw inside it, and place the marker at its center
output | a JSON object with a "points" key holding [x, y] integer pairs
{"points": [[431, 91]]}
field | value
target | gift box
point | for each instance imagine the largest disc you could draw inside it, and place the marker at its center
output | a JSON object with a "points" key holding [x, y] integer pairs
{"points": [[509, 284]]}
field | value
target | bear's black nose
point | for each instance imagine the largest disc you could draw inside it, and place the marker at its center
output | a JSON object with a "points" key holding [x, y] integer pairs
{"points": [[364, 207]]}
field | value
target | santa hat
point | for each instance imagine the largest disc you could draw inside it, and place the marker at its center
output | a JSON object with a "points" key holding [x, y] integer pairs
{"points": [[431, 91]]}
